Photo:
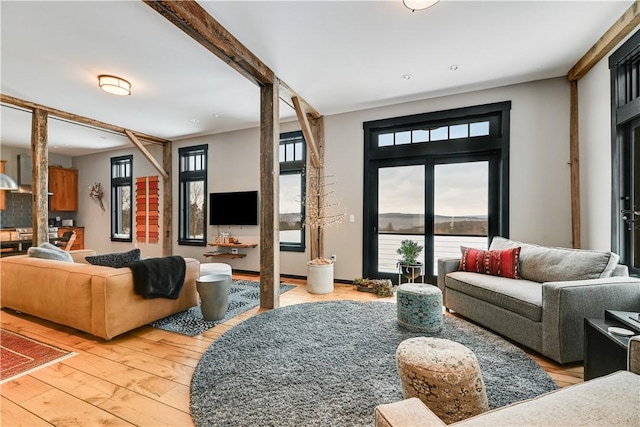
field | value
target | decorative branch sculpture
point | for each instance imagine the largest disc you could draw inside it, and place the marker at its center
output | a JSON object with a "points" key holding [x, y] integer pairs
{"points": [[96, 194]]}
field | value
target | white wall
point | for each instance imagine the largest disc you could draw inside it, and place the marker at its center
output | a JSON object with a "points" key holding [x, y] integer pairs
{"points": [[95, 168], [539, 177], [594, 104], [10, 154]]}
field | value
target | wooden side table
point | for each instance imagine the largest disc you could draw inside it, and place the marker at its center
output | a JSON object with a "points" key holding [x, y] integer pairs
{"points": [[605, 353]]}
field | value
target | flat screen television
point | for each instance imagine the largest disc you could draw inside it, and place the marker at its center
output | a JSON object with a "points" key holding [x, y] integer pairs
{"points": [[233, 208]]}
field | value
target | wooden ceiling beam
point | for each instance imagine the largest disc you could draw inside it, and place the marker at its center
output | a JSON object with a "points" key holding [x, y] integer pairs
{"points": [[619, 30], [191, 18], [76, 118]]}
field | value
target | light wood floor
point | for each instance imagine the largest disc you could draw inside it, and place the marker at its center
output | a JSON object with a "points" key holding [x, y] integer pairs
{"points": [[142, 377]]}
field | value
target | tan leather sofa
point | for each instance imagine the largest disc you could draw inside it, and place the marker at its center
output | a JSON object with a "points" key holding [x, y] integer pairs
{"points": [[94, 299], [613, 400]]}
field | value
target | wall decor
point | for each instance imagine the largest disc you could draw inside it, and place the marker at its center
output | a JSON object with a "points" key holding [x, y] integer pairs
{"points": [[96, 194]]}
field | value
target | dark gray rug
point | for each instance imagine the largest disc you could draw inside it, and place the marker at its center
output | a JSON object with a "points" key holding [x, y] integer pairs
{"points": [[331, 363], [243, 295]]}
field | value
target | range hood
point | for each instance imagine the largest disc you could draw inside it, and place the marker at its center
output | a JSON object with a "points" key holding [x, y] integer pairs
{"points": [[24, 176]]}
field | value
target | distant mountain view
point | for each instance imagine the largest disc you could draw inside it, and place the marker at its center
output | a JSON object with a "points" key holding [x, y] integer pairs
{"points": [[399, 223]]}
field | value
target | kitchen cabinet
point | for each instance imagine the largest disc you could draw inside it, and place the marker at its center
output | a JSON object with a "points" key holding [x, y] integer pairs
{"points": [[3, 193], [79, 242], [63, 183]]}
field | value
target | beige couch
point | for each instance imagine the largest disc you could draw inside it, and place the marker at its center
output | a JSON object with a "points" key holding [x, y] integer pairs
{"points": [[95, 299], [613, 400]]}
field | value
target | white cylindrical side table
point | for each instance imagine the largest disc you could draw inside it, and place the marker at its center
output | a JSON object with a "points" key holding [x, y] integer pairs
{"points": [[214, 294]]}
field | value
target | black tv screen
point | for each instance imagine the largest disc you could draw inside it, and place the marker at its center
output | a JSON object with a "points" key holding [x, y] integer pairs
{"points": [[234, 208]]}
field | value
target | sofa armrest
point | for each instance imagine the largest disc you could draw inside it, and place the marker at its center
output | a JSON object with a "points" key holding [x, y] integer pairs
{"points": [[565, 305], [406, 413], [633, 364], [446, 266]]}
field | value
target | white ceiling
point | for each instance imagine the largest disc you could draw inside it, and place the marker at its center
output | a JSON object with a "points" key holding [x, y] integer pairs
{"points": [[338, 55]]}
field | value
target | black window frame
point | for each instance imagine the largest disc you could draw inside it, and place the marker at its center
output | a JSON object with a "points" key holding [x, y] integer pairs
{"points": [[116, 183], [290, 167], [185, 177]]}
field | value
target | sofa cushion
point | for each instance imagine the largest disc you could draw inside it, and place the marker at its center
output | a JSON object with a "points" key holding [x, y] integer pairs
{"points": [[523, 297], [48, 251], [496, 263], [548, 264], [115, 260]]}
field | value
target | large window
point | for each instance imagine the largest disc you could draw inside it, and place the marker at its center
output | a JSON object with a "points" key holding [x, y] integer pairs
{"points": [[192, 210], [121, 201], [292, 191]]}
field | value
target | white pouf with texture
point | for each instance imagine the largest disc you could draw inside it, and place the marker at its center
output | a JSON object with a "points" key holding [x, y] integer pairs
{"points": [[215, 268]]}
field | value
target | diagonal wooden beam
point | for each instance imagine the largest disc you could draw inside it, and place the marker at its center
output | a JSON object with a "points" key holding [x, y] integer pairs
{"points": [[308, 134], [75, 117], [619, 30], [147, 154]]}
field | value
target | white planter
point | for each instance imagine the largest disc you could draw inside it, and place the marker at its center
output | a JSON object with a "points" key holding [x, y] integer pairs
{"points": [[320, 278]]}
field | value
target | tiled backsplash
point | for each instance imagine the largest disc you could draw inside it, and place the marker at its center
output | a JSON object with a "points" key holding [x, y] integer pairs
{"points": [[18, 212]]}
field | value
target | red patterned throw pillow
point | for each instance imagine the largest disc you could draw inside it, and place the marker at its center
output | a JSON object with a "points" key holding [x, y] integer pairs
{"points": [[496, 263]]}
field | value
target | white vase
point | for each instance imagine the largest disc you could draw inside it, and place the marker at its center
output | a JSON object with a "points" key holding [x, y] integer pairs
{"points": [[320, 278]]}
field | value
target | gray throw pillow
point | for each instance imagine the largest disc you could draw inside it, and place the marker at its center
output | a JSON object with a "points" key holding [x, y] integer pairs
{"points": [[48, 251], [115, 260]]}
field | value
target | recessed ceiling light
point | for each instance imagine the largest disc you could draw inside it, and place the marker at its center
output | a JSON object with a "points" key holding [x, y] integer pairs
{"points": [[194, 120], [453, 67], [217, 116], [406, 76]]}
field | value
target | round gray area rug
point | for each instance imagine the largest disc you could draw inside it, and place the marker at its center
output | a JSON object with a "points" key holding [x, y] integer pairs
{"points": [[331, 363]]}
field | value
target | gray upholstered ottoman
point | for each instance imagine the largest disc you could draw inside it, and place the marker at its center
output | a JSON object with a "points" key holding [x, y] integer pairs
{"points": [[444, 374], [420, 307]]}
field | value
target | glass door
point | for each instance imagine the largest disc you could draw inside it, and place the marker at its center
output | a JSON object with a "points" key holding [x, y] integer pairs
{"points": [[442, 204], [630, 212]]}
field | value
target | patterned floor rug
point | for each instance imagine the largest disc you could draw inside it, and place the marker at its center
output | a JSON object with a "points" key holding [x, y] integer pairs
{"points": [[331, 363], [20, 355], [244, 294]]}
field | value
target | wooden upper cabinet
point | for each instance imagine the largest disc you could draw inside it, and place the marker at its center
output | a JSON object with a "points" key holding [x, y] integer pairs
{"points": [[3, 196], [63, 183]]}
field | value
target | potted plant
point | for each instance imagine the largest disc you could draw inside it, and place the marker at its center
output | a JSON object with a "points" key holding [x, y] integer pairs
{"points": [[410, 251], [322, 210]]}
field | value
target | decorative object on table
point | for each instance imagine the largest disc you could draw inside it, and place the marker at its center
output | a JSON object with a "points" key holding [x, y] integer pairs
{"points": [[243, 295], [380, 287], [409, 265], [331, 363], [445, 375], [420, 307], [97, 194], [21, 355]]}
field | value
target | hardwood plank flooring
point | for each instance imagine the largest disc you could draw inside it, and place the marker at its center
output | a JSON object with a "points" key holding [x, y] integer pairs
{"points": [[141, 377]]}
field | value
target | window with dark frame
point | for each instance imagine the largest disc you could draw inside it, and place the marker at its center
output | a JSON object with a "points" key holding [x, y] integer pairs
{"points": [[292, 158], [122, 198], [192, 207]]}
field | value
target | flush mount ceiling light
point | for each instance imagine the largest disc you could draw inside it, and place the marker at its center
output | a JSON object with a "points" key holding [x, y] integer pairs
{"points": [[414, 5], [114, 85]]}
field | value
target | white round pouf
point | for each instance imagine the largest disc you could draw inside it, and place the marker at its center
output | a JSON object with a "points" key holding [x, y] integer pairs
{"points": [[215, 268]]}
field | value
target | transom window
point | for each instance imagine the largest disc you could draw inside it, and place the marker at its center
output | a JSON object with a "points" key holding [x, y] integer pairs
{"points": [[121, 196], [292, 191], [192, 210], [438, 133]]}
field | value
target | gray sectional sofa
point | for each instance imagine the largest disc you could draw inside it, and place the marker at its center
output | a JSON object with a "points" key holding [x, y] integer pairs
{"points": [[544, 309]]}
